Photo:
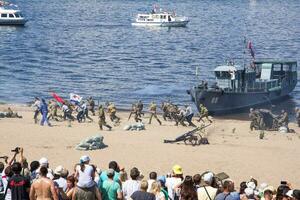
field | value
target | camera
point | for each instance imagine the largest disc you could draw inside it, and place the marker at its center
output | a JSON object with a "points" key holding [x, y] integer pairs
{"points": [[17, 149]]}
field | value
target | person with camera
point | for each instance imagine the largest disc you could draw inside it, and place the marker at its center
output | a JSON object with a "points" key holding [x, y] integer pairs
{"points": [[18, 184]]}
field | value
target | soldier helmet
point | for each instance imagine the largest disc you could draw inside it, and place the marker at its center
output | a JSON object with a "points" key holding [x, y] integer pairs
{"points": [[100, 105], [90, 97], [251, 109]]}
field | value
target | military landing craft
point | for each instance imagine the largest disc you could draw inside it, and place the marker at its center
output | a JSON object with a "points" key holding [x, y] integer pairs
{"points": [[237, 87]]}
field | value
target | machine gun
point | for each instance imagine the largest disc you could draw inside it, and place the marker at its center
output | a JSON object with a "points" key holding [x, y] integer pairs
{"points": [[192, 137]]}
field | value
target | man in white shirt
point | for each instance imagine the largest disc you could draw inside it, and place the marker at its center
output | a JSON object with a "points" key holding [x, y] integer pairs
{"points": [[130, 186], [174, 182], [206, 192], [189, 115]]}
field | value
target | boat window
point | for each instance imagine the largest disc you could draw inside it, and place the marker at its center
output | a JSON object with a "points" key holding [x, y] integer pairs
{"points": [[277, 67], [222, 75], [11, 16], [17, 15], [3, 15], [294, 67], [286, 67]]}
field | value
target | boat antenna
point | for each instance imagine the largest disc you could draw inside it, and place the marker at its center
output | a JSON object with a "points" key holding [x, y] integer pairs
{"points": [[244, 53]]}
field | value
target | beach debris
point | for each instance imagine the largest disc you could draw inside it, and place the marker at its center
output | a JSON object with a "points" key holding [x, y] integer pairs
{"points": [[261, 134], [233, 130], [91, 143], [283, 129], [135, 127]]}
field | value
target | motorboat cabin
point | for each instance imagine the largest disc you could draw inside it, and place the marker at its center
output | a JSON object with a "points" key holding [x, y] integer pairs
{"points": [[11, 17]]}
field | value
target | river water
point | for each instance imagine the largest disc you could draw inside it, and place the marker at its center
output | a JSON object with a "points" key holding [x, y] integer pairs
{"points": [[90, 48]]}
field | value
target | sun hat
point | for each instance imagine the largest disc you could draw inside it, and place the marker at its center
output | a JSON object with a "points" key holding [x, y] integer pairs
{"points": [[59, 170], [177, 169], [43, 161], [84, 158], [208, 177]]}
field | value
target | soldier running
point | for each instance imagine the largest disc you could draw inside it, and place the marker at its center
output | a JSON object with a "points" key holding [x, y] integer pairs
{"points": [[67, 114], [203, 113], [152, 109], [91, 106], [284, 119], [36, 105], [111, 110], [135, 111], [140, 107], [102, 121]]}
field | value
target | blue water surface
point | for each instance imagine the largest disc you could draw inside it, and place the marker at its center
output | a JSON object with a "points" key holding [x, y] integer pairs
{"points": [[89, 47]]}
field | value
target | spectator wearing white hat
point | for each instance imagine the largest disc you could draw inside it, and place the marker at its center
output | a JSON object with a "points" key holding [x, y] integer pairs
{"points": [[207, 192], [58, 179], [45, 163]]}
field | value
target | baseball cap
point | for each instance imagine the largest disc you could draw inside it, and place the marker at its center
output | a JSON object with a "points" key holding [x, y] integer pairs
{"points": [[84, 158]]}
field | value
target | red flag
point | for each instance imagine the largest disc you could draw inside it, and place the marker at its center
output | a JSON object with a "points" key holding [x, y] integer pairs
{"points": [[249, 46], [58, 98]]}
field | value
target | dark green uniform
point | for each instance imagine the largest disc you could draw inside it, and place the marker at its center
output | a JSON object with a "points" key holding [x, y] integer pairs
{"points": [[102, 121], [152, 109]]}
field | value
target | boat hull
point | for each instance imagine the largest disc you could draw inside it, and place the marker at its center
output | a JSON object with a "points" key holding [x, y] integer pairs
{"points": [[162, 24], [13, 22], [219, 102]]}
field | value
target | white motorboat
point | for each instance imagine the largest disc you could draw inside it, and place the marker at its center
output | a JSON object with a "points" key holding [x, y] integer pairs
{"points": [[9, 16], [163, 19]]}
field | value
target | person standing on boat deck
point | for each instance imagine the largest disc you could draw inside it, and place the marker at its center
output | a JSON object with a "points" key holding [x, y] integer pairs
{"points": [[36, 105], [44, 111], [232, 78], [152, 109]]}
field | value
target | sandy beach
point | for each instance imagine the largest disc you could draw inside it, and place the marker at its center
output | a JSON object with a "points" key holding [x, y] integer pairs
{"points": [[239, 152]]}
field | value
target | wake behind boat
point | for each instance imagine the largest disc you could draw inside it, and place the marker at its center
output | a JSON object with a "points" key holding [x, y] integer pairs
{"points": [[160, 18], [10, 16]]}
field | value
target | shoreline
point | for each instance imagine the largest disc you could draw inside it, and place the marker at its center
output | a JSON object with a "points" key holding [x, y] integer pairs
{"points": [[233, 149]]}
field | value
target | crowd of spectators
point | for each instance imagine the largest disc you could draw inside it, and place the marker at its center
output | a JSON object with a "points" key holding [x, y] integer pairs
{"points": [[20, 181]]}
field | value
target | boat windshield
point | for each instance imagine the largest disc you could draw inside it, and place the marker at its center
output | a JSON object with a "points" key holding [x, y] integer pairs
{"points": [[222, 75]]}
